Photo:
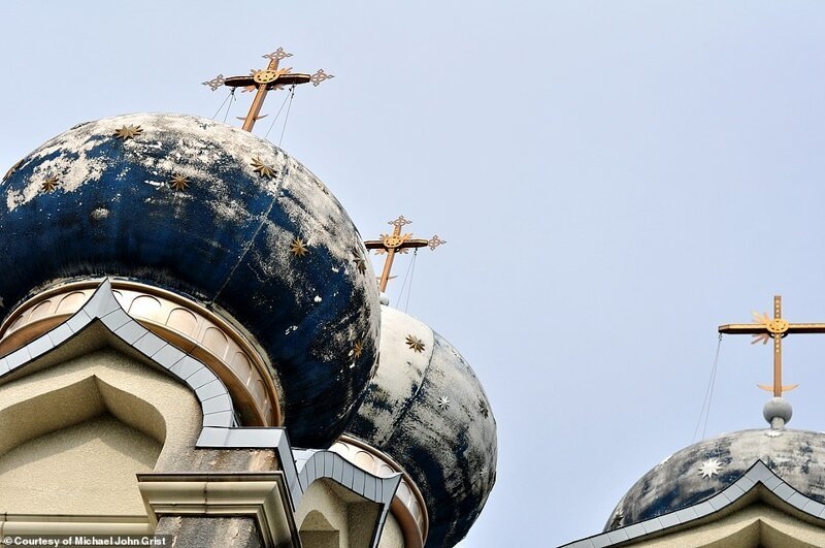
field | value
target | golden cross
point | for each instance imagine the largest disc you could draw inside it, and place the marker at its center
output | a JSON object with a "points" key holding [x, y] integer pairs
{"points": [[265, 80], [398, 243], [764, 328]]}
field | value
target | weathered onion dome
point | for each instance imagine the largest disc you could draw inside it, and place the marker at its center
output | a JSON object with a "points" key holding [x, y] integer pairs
{"points": [[426, 409], [702, 470], [217, 215]]}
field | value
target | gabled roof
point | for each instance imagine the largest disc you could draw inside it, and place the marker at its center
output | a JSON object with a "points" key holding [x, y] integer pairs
{"points": [[758, 483], [104, 308]]}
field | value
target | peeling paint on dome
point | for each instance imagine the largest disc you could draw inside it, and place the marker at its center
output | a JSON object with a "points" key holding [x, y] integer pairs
{"points": [[428, 411], [704, 469], [224, 241]]}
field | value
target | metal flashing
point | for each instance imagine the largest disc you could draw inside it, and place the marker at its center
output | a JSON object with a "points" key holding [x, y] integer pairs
{"points": [[315, 465], [103, 307]]}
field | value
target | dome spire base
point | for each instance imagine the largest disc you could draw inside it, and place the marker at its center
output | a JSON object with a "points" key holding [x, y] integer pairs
{"points": [[777, 412]]}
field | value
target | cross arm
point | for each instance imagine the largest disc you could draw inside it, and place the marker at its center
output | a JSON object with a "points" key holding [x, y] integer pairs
{"points": [[756, 328], [379, 244], [743, 329], [282, 80]]}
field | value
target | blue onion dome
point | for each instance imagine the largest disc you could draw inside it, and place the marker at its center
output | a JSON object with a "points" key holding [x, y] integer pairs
{"points": [[700, 471], [427, 410], [216, 214]]}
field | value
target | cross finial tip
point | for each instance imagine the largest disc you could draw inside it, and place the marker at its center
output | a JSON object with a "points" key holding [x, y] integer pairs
{"points": [[400, 221], [319, 77], [435, 241], [215, 82], [278, 54]]}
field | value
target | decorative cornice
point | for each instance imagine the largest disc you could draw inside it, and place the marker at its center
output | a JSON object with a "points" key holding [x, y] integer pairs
{"points": [[408, 505], [261, 496], [192, 328], [90, 524]]}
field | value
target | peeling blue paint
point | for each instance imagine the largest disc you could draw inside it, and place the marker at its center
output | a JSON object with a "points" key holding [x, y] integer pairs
{"points": [[222, 241]]}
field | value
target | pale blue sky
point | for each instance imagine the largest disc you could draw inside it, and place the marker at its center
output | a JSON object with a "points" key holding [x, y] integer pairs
{"points": [[614, 178]]}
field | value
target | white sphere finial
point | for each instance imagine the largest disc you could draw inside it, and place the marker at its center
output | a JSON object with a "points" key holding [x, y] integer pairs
{"points": [[777, 412]]}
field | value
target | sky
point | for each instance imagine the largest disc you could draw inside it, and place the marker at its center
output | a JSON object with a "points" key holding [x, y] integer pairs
{"points": [[614, 179]]}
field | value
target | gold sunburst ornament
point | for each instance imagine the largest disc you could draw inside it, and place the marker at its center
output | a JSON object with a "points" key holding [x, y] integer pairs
{"points": [[128, 132], [298, 247], [262, 169], [415, 343], [763, 319], [483, 409], [49, 184], [179, 183], [360, 262]]}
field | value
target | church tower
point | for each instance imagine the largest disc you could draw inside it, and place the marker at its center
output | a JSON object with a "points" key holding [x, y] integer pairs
{"points": [[194, 345]]}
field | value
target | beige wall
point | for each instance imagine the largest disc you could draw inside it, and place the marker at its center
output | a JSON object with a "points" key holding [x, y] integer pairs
{"points": [[330, 516], [73, 436], [88, 468]]}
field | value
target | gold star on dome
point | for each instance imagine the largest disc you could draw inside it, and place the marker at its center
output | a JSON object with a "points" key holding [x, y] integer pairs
{"points": [[128, 132], [360, 263], [179, 183], [415, 343], [298, 247], [483, 409], [49, 184], [262, 169], [357, 349]]}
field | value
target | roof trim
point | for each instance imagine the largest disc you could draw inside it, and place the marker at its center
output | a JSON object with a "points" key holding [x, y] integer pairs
{"points": [[757, 475], [314, 465], [103, 307]]}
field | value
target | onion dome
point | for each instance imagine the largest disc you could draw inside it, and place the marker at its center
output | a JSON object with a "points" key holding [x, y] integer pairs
{"points": [[218, 216], [426, 409], [702, 470]]}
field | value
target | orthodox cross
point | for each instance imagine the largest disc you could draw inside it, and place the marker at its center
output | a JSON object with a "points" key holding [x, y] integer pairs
{"points": [[763, 329], [398, 243], [265, 80]]}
